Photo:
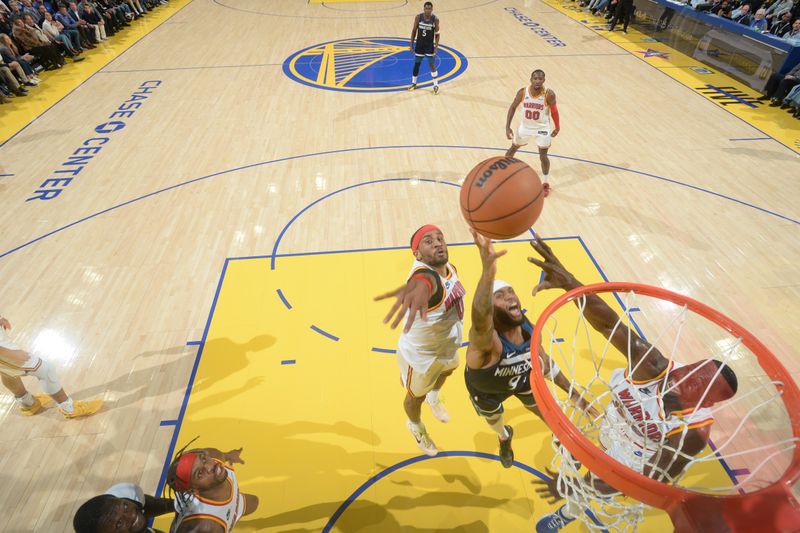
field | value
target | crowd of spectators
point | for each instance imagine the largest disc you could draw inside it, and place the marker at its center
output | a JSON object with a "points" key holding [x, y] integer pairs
{"points": [[38, 35]]}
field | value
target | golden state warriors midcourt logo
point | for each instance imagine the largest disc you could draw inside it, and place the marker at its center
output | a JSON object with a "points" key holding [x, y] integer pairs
{"points": [[367, 64]]}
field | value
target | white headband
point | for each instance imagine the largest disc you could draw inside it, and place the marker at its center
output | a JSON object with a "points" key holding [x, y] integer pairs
{"points": [[499, 284]]}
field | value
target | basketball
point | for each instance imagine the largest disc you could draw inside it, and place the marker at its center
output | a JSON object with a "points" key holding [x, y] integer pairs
{"points": [[502, 197]]}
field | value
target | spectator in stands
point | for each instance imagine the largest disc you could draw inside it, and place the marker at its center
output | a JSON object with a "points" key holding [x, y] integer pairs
{"points": [[778, 85], [9, 54], [782, 25], [725, 12], [69, 40], [793, 101], [624, 12], [28, 9], [12, 83], [5, 22], [793, 35], [93, 19], [759, 23], [774, 12], [73, 23], [742, 15], [33, 40]]}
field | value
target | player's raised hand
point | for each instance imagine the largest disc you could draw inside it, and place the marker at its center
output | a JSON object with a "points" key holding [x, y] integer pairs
{"points": [[548, 489], [486, 248], [555, 274], [412, 298], [5, 324]]}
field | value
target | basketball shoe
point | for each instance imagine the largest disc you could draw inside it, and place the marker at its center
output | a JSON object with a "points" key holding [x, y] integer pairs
{"points": [[553, 522], [424, 440], [546, 189], [435, 89], [438, 410], [506, 453], [34, 408], [82, 409], [412, 86]]}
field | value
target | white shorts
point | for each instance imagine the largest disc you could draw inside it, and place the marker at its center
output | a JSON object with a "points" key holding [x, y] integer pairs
{"points": [[523, 136], [419, 380], [14, 366]]}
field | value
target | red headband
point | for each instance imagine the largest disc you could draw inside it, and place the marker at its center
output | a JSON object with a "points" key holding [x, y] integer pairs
{"points": [[184, 471], [421, 233]]}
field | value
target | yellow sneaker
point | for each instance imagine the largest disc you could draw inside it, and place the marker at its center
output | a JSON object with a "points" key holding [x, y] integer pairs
{"points": [[34, 408], [83, 409]]}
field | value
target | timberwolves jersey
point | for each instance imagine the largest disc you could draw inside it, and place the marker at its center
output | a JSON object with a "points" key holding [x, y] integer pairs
{"points": [[425, 32], [226, 512], [535, 111], [510, 374], [440, 334]]}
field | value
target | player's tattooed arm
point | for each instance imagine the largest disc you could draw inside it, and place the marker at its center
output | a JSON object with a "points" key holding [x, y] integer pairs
{"points": [[483, 339]]}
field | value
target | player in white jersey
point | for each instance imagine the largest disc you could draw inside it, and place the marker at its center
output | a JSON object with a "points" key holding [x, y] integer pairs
{"points": [[207, 497], [16, 362], [659, 418], [539, 119], [426, 351]]}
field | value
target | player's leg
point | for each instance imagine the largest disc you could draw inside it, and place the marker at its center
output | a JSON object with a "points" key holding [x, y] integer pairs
{"points": [[418, 382], [250, 503], [432, 398], [434, 72], [490, 407], [417, 63], [521, 138], [543, 141]]}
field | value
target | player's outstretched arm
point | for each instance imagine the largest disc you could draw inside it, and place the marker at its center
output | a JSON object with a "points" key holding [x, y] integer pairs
{"points": [[551, 371], [601, 317], [483, 340], [231, 457], [155, 506], [413, 298], [511, 110], [678, 450]]}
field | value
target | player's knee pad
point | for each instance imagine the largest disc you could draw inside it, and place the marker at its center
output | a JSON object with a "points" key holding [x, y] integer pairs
{"points": [[47, 377]]}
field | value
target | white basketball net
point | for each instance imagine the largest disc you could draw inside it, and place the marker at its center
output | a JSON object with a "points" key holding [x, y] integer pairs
{"points": [[751, 431]]}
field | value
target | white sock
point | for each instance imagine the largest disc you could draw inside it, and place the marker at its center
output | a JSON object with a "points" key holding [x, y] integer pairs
{"points": [[546, 178], [435, 80], [499, 428], [413, 80], [26, 400], [418, 426], [67, 405], [432, 396]]}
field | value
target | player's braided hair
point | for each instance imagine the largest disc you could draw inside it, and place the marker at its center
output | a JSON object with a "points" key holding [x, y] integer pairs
{"points": [[182, 497]]}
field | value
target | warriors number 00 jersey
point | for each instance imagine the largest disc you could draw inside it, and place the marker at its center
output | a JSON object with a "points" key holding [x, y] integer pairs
{"points": [[535, 111], [226, 512], [440, 334]]}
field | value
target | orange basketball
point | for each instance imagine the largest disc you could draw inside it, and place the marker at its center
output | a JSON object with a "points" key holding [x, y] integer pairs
{"points": [[501, 197]]}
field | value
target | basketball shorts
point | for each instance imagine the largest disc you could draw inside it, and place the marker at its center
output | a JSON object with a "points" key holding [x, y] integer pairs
{"points": [[622, 447], [423, 49], [419, 379], [12, 364], [491, 404], [524, 135]]}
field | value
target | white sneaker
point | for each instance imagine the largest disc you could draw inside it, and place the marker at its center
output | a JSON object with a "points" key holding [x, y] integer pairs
{"points": [[424, 440], [438, 410]]}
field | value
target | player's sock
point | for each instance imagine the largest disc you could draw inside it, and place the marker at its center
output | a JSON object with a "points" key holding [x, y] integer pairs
{"points": [[26, 400], [417, 426], [413, 80], [499, 428], [432, 396], [546, 178], [67, 406], [435, 75]]}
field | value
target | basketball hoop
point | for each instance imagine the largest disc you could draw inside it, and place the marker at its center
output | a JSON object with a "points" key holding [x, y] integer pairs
{"points": [[763, 501]]}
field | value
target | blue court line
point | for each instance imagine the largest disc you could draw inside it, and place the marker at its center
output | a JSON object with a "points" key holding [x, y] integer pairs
{"points": [[402, 464], [633, 309], [168, 423], [194, 343], [284, 300], [547, 55], [729, 95], [324, 333], [192, 375], [383, 350], [6, 175], [140, 39], [728, 470], [288, 361], [559, 340], [172, 69], [741, 471], [406, 147], [438, 12], [753, 139]]}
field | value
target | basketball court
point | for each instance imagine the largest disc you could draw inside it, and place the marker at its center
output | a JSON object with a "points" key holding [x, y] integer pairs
{"points": [[210, 267]]}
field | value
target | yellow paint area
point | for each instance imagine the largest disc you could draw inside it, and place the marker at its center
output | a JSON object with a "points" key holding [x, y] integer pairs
{"points": [[56, 84], [775, 122], [316, 430]]}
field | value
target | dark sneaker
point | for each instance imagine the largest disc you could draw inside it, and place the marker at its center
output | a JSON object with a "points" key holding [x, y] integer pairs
{"points": [[412, 86], [506, 453]]}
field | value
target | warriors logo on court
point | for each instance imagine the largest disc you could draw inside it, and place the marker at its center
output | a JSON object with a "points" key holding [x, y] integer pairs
{"points": [[367, 64]]}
